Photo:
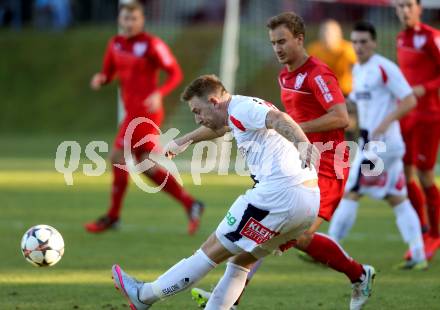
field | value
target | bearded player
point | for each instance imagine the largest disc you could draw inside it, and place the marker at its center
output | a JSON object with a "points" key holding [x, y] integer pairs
{"points": [[312, 97]]}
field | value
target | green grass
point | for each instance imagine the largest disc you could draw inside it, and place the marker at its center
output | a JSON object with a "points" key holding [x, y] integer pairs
{"points": [[153, 237]]}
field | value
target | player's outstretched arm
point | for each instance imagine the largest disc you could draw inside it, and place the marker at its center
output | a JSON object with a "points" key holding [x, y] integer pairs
{"points": [[202, 133], [406, 104], [289, 129]]}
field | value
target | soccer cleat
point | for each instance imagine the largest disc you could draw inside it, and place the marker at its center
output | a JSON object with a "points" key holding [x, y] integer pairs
{"points": [[194, 214], [201, 297], [361, 291], [129, 287], [102, 224], [431, 246], [413, 265]]}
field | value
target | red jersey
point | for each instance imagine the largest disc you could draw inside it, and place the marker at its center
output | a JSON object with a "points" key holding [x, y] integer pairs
{"points": [[307, 93], [136, 62], [418, 55]]}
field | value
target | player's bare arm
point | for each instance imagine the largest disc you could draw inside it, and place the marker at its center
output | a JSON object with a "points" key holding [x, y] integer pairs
{"points": [[202, 133], [97, 81], [289, 129], [407, 104], [335, 118]]}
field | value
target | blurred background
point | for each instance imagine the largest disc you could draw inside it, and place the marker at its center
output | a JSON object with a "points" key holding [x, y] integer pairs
{"points": [[49, 50]]}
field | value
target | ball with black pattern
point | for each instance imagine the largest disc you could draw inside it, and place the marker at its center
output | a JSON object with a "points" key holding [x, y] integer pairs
{"points": [[42, 246]]}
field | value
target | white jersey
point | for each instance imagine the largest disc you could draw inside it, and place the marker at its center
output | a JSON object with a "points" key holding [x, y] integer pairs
{"points": [[273, 161], [378, 84]]}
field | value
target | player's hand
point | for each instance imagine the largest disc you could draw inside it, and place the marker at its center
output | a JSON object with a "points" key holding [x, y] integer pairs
{"points": [[309, 155], [153, 102], [419, 91], [97, 81], [173, 148], [379, 132]]}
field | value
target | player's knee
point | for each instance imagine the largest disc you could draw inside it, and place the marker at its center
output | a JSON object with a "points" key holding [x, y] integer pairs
{"points": [[426, 178], [352, 196], [304, 240], [215, 250], [117, 157], [244, 259], [410, 173], [396, 200]]}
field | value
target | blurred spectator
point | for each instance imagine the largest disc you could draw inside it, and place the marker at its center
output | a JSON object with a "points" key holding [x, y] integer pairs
{"points": [[10, 13], [336, 52], [54, 14]]}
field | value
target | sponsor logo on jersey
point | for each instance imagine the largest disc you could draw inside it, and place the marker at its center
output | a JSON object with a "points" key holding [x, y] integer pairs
{"points": [[419, 40], [139, 48], [299, 80], [256, 231], [230, 219], [363, 95], [324, 88]]}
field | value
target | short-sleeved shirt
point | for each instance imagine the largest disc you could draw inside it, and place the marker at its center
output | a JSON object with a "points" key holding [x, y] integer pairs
{"points": [[418, 55], [307, 93], [273, 161], [378, 85]]}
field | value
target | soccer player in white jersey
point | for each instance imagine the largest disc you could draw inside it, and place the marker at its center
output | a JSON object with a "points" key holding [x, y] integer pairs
{"points": [[281, 206], [382, 97]]}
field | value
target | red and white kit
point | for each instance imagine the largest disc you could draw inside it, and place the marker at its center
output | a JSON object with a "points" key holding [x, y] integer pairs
{"points": [[307, 93]]}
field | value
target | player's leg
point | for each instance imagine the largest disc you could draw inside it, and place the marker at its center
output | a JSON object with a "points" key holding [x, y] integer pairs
{"points": [[232, 284], [409, 228], [415, 191], [178, 278], [344, 217], [119, 187], [426, 161]]}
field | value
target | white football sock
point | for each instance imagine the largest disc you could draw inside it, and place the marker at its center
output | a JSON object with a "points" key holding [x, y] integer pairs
{"points": [[179, 277], [229, 288], [343, 219], [409, 227]]}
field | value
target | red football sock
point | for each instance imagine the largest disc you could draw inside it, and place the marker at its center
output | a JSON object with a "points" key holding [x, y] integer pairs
{"points": [[172, 187], [433, 202], [120, 182], [326, 251], [417, 198]]}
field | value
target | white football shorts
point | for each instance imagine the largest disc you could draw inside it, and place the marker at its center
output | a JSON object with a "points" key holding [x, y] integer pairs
{"points": [[246, 227]]}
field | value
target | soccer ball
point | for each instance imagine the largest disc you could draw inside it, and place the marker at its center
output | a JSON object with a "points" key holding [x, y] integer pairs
{"points": [[42, 246]]}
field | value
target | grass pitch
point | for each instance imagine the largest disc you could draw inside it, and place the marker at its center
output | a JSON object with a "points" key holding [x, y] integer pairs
{"points": [[153, 237]]}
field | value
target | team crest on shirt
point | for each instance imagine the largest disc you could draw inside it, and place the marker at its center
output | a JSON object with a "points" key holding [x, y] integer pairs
{"points": [[419, 40], [300, 80], [139, 48]]}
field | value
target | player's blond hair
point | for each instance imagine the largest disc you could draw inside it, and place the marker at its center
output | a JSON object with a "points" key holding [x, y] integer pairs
{"points": [[131, 6], [293, 22], [202, 86]]}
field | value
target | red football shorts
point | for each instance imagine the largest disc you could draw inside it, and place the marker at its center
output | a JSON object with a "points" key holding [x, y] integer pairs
{"points": [[422, 142], [141, 130], [332, 190]]}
